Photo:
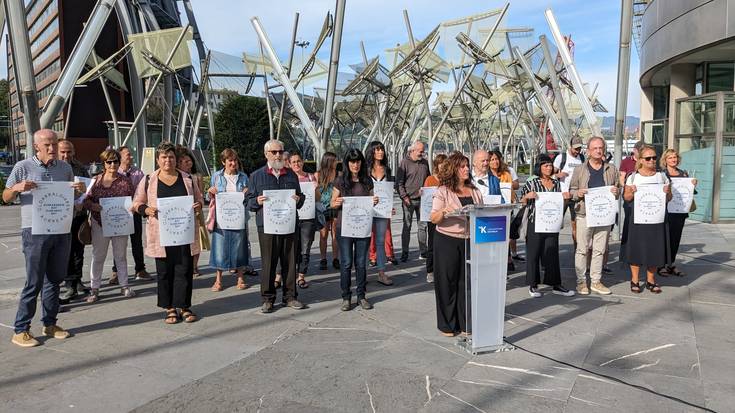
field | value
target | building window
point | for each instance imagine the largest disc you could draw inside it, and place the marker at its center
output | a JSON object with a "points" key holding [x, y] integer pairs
{"points": [[46, 53], [660, 102], [720, 77], [38, 24], [51, 30], [699, 79]]}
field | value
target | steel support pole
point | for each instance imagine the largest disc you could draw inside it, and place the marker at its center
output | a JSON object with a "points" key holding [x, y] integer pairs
{"points": [[25, 81], [566, 57], [554, 77], [288, 72], [717, 175], [621, 99], [339, 17], [201, 51], [267, 97], [282, 77], [75, 64]]}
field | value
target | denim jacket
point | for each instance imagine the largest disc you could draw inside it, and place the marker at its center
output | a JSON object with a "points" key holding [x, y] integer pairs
{"points": [[219, 181]]}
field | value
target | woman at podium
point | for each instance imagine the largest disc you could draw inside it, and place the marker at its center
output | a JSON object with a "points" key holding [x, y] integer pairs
{"points": [[455, 191]]}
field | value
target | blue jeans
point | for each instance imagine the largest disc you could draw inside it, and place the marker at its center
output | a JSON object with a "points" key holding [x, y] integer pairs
{"points": [[380, 225], [46, 263], [353, 250]]}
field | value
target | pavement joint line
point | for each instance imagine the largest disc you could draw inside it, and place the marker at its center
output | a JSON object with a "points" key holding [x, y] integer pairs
{"points": [[463, 401], [638, 353], [588, 402], [711, 303]]}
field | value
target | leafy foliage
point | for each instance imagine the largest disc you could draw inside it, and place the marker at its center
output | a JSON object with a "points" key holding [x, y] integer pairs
{"points": [[242, 124]]}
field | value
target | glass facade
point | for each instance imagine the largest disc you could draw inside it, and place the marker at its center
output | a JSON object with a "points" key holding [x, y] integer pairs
{"points": [[720, 77]]}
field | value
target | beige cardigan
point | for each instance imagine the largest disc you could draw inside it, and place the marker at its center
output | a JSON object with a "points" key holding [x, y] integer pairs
{"points": [[456, 227], [153, 246]]}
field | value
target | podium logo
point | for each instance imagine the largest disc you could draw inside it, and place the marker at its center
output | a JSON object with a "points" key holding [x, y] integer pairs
{"points": [[490, 229]]}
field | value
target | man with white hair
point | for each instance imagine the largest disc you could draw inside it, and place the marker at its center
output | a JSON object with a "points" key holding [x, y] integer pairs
{"points": [[412, 172], [46, 255], [281, 247]]}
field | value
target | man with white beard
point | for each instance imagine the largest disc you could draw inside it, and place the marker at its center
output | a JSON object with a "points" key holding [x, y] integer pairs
{"points": [[275, 248]]}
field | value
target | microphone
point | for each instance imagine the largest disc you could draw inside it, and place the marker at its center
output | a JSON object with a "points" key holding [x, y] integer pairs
{"points": [[481, 182]]}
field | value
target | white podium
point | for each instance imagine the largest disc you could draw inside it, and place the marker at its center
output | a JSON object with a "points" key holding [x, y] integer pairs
{"points": [[486, 269]]}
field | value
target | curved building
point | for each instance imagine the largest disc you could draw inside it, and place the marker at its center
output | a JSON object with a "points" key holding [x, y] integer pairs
{"points": [[687, 66]]}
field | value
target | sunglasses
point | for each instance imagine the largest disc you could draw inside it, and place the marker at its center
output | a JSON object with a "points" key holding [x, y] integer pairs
{"points": [[112, 161], [650, 158], [278, 152]]}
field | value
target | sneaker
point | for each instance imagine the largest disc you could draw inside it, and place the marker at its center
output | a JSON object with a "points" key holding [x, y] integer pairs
{"points": [[113, 279], [24, 339], [518, 258], [69, 294], [296, 305], [430, 277], [582, 288], [365, 304], [142, 276], [393, 260], [81, 288], [346, 305], [423, 255], [323, 264], [560, 290], [55, 331], [534, 292], [335, 264], [600, 288], [94, 296], [267, 307], [373, 263], [607, 270], [404, 257], [127, 292]]}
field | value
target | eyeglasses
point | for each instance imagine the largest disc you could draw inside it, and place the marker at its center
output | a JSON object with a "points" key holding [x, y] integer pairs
{"points": [[278, 152], [112, 161], [650, 158]]}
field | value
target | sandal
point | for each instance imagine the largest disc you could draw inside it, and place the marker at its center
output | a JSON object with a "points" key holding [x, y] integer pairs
{"points": [[450, 334], [250, 272], [664, 271], [635, 287], [217, 287], [172, 316], [673, 270], [301, 281], [241, 284], [188, 316], [653, 287], [196, 274]]}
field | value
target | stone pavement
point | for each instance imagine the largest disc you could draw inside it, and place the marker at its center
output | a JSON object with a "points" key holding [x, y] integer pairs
{"points": [[622, 352]]}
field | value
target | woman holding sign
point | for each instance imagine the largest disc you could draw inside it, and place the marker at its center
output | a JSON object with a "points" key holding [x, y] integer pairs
{"points": [[450, 239], [230, 236], [543, 246], [670, 160], [355, 182], [307, 219], [174, 264], [109, 184], [377, 162], [645, 240]]}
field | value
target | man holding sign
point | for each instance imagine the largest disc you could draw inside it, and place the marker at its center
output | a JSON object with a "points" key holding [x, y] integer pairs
{"points": [[593, 173], [46, 254], [275, 177]]}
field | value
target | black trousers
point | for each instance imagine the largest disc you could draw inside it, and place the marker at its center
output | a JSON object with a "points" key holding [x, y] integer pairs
{"points": [[542, 248], [449, 283], [136, 244], [676, 228], [430, 247], [305, 233], [175, 277], [275, 249], [76, 254]]}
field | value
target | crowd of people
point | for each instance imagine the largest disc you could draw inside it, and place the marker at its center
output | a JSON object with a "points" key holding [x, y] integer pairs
{"points": [[57, 259]]}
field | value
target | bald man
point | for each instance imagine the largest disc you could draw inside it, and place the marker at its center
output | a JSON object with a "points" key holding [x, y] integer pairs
{"points": [[412, 172], [46, 255]]}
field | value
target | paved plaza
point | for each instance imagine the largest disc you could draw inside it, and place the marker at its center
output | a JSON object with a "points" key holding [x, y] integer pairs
{"points": [[671, 352]]}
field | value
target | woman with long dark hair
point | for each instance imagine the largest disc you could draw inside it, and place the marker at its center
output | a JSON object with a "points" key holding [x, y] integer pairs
{"points": [[325, 177], [377, 165], [355, 181], [450, 239], [432, 181]]}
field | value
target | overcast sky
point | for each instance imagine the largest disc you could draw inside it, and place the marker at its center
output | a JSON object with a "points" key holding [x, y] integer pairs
{"points": [[594, 26]]}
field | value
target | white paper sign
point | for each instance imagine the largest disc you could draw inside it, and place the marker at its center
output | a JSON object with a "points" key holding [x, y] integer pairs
{"points": [[492, 199], [176, 220], [88, 185], [279, 212], [549, 215], [649, 204], [506, 190], [427, 199], [384, 191], [117, 220], [357, 216], [682, 195], [600, 207], [230, 210], [53, 208], [308, 210]]}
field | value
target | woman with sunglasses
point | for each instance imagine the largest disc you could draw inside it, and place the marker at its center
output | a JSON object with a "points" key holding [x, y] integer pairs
{"points": [[377, 163], [644, 245], [354, 182], [108, 184]]}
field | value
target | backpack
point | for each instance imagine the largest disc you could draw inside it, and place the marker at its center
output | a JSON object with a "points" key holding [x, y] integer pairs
{"points": [[564, 159]]}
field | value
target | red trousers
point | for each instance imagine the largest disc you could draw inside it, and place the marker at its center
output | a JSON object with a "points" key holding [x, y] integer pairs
{"points": [[388, 246]]}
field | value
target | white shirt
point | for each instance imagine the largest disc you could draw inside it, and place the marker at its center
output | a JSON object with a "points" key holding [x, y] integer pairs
{"points": [[513, 174], [569, 166], [484, 187]]}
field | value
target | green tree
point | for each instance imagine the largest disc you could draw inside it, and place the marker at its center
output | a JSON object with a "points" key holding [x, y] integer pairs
{"points": [[4, 113], [242, 124]]}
